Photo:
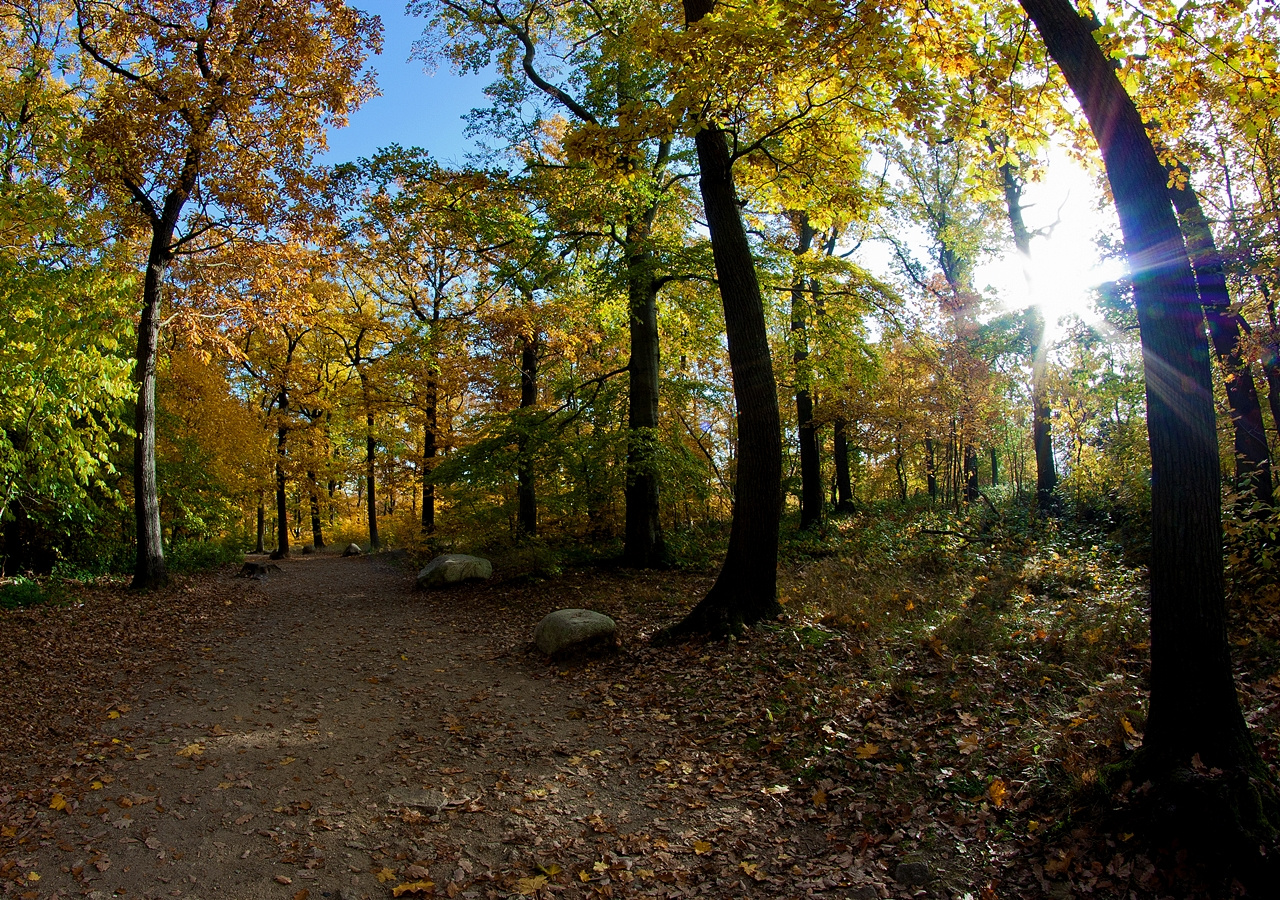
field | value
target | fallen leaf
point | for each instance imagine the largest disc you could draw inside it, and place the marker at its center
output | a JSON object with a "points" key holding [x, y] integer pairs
{"points": [[191, 750], [385, 875], [866, 751], [58, 802], [414, 887], [284, 879], [702, 848], [997, 792], [819, 798], [302, 894], [552, 869], [527, 886], [968, 743]]}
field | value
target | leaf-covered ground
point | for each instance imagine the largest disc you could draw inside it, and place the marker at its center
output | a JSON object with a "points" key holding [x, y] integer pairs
{"points": [[930, 728]]}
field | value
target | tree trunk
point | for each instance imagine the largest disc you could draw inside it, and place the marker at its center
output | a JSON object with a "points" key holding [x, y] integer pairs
{"points": [[1041, 414], [844, 489], [1226, 331], [995, 467], [810, 472], [970, 474], [1194, 709], [370, 493], [429, 450], [282, 501], [643, 545], [313, 492], [526, 491], [931, 469], [746, 589], [262, 524], [149, 569]]}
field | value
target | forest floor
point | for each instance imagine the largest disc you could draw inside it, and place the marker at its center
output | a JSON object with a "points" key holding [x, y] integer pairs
{"points": [[333, 732]]}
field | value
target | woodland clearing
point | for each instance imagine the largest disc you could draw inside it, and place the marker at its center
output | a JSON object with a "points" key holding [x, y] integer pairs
{"points": [[332, 732]]}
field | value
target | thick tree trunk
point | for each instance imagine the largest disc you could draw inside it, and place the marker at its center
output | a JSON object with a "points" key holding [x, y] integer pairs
{"points": [[844, 487], [1226, 331], [810, 472], [313, 493], [429, 451], [1194, 709], [526, 490], [149, 569], [282, 500], [643, 545], [746, 590]]}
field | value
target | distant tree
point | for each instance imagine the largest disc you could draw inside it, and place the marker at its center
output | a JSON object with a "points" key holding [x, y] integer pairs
{"points": [[205, 118]]}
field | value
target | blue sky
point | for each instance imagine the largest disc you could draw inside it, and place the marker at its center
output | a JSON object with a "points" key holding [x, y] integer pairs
{"points": [[416, 108]]}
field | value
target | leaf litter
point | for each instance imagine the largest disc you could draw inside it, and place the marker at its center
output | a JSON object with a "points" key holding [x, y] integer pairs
{"points": [[335, 733]]}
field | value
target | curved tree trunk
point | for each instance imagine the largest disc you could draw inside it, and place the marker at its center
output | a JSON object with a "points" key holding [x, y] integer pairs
{"points": [[1194, 709], [1226, 331], [746, 589], [149, 569]]}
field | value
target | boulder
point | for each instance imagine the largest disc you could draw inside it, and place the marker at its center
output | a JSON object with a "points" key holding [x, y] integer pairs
{"points": [[567, 631], [454, 568], [913, 871], [308, 550], [257, 569], [352, 550]]}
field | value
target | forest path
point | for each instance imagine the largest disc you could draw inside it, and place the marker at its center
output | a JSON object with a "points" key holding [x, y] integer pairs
{"points": [[348, 735]]}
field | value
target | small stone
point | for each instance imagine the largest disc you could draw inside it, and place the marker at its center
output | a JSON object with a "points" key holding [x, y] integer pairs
{"points": [[352, 550], [864, 892], [568, 631], [454, 568], [913, 871]]}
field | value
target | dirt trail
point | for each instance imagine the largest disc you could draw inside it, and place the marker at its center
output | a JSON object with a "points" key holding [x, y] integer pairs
{"points": [[357, 735]]}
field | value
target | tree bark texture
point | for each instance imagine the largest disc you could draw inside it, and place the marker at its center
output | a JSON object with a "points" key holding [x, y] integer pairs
{"points": [[1226, 332], [643, 545], [1193, 705], [526, 487], [746, 589], [810, 473], [149, 569]]}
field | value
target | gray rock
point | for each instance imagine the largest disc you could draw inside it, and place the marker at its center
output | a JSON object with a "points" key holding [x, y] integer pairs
{"points": [[352, 550], [913, 871], [431, 801], [454, 568], [864, 892], [568, 631]]}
